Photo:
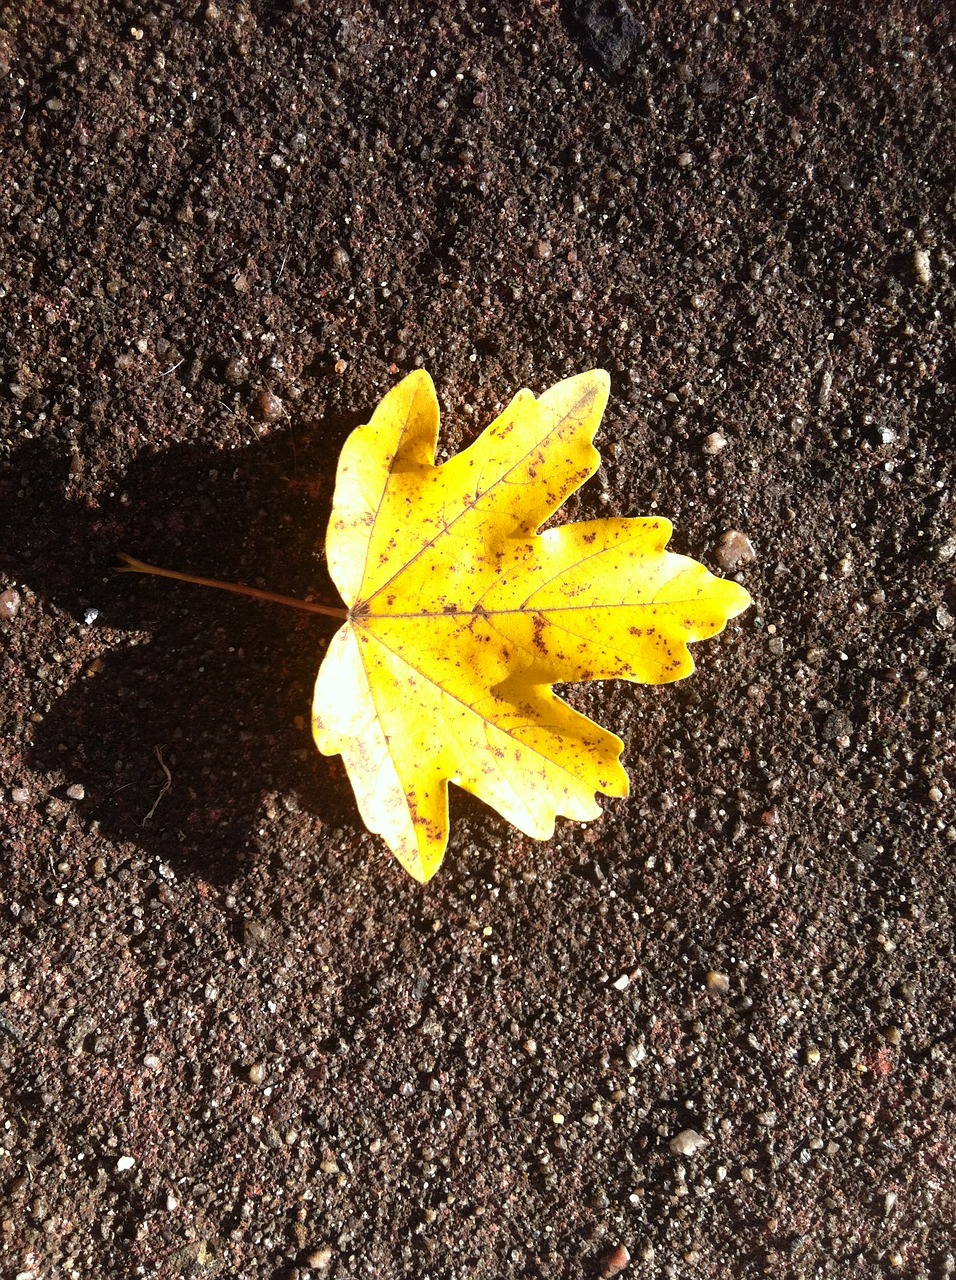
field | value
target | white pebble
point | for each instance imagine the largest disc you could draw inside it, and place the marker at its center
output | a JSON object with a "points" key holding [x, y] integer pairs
{"points": [[714, 444], [921, 266], [734, 549], [635, 1054], [687, 1143], [124, 1163]]}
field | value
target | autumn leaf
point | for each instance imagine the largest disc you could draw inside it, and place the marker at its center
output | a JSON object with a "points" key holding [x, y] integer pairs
{"points": [[461, 616]]}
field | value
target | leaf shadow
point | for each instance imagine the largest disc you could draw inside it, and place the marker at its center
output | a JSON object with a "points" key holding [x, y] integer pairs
{"points": [[170, 683]]}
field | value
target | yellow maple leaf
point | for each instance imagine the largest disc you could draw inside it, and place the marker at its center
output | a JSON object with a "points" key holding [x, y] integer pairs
{"points": [[461, 616]]}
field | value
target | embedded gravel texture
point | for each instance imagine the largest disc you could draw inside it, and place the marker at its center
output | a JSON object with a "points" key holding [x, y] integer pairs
{"points": [[710, 1035]]}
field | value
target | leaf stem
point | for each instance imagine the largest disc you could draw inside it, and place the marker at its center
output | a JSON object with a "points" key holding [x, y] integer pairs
{"points": [[131, 565]]}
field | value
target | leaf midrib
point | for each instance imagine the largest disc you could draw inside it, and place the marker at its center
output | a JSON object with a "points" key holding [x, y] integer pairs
{"points": [[362, 619], [445, 529]]}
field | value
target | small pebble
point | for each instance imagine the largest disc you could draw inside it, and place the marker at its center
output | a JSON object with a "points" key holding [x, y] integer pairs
{"points": [[734, 550], [836, 724], [90, 616], [339, 257], [20, 795], [236, 371], [253, 932], [634, 1054], [621, 983], [685, 160], [319, 1259], [615, 1262], [811, 1055], [125, 1163], [543, 250], [714, 443], [267, 407], [9, 604], [77, 791], [718, 982], [256, 1074], [687, 1143], [921, 266]]}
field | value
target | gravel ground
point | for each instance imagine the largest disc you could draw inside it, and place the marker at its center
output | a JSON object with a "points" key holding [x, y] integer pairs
{"points": [[711, 1034]]}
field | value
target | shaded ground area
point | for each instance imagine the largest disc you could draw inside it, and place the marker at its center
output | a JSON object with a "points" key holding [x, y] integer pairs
{"points": [[235, 1039]]}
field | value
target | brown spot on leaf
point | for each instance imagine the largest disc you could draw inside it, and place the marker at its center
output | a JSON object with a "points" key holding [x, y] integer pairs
{"points": [[539, 625]]}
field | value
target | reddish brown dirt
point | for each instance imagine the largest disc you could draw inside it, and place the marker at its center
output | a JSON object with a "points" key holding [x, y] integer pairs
{"points": [[235, 1040]]}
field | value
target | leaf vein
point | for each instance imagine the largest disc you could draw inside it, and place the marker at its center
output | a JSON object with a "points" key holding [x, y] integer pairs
{"points": [[446, 527]]}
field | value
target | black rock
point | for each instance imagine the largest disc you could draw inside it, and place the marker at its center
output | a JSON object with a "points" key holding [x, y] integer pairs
{"points": [[608, 31]]}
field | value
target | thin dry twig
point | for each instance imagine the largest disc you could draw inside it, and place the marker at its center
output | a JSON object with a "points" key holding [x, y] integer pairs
{"points": [[165, 787]]}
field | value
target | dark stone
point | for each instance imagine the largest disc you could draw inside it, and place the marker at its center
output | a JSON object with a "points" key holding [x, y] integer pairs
{"points": [[608, 32]]}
